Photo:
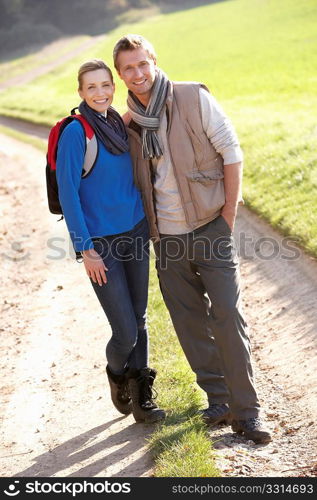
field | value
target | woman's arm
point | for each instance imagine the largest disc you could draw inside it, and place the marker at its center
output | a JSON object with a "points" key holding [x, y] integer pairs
{"points": [[70, 159], [69, 164]]}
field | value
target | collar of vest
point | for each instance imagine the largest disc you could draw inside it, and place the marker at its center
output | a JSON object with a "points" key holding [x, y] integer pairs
{"points": [[169, 97], [134, 130]]}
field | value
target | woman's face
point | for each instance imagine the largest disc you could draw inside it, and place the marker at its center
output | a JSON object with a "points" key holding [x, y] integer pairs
{"points": [[97, 89]]}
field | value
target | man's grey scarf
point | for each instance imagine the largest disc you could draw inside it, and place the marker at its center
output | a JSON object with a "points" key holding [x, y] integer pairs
{"points": [[149, 118]]}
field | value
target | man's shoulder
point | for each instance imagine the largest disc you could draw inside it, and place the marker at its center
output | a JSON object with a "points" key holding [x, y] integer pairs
{"points": [[186, 83], [188, 86]]}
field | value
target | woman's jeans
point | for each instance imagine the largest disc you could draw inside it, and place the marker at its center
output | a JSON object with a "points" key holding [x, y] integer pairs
{"points": [[124, 296]]}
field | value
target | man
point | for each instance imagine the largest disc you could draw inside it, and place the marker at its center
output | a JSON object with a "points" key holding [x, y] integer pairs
{"points": [[188, 166]]}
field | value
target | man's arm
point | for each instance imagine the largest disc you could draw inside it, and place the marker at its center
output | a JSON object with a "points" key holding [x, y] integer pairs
{"points": [[233, 184], [222, 135]]}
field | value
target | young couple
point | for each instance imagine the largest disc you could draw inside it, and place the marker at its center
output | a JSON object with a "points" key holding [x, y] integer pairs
{"points": [[171, 171]]}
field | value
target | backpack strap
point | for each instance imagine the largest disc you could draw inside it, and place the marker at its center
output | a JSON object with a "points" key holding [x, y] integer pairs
{"points": [[91, 145]]}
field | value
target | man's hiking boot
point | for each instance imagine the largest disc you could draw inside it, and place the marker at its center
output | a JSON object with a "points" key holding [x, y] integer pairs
{"points": [[142, 393], [252, 428], [119, 390], [216, 414]]}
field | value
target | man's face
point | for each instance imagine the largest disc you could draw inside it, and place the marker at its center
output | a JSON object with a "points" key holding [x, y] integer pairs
{"points": [[137, 69]]}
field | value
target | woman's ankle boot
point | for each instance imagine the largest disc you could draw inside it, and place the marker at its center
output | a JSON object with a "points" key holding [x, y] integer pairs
{"points": [[119, 389], [141, 390]]}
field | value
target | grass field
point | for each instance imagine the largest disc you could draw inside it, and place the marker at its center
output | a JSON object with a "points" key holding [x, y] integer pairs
{"points": [[181, 446], [15, 67], [259, 58]]}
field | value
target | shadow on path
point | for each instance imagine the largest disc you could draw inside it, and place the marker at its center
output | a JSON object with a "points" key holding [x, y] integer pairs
{"points": [[77, 450]]}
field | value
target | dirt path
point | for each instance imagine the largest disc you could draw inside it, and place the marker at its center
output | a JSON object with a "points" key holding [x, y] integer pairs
{"points": [[280, 297], [57, 418]]}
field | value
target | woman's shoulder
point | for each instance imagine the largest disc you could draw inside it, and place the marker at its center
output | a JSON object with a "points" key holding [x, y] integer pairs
{"points": [[74, 129]]}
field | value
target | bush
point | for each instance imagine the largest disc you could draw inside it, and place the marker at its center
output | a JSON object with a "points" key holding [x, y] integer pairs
{"points": [[23, 34]]}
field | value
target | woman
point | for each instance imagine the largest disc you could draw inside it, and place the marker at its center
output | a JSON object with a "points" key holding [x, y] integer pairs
{"points": [[105, 218]]}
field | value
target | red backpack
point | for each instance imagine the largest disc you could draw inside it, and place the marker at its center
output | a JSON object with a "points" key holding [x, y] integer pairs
{"points": [[89, 162]]}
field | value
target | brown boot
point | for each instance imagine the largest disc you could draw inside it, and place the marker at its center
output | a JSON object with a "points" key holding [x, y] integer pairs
{"points": [[141, 390], [119, 390]]}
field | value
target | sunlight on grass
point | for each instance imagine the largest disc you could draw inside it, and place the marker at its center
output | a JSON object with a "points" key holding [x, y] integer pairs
{"points": [[263, 71], [11, 69], [181, 445], [38, 143], [259, 58]]}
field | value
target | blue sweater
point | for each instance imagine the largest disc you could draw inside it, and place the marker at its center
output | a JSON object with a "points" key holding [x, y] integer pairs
{"points": [[106, 202]]}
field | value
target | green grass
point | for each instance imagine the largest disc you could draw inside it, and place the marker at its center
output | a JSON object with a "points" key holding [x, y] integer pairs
{"points": [[280, 177], [259, 57], [23, 64], [181, 447], [34, 141]]}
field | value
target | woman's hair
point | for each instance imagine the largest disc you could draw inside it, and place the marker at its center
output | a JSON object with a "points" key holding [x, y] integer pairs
{"points": [[132, 42], [91, 65]]}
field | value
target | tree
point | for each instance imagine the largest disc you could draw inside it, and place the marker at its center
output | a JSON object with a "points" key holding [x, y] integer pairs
{"points": [[10, 11]]}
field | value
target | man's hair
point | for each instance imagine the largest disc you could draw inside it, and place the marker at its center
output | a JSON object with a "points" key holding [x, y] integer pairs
{"points": [[92, 65], [132, 42]]}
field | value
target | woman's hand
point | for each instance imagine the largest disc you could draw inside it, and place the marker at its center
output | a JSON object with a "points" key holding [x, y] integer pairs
{"points": [[95, 267]]}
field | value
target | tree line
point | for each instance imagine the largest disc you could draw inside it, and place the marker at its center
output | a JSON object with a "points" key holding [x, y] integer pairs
{"points": [[24, 23]]}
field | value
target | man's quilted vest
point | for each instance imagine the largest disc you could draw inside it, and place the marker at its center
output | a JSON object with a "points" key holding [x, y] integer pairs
{"points": [[198, 168]]}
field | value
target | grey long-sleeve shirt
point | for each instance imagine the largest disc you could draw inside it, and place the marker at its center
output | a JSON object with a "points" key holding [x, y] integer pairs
{"points": [[219, 130]]}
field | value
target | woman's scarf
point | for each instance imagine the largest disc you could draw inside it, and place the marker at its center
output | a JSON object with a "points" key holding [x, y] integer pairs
{"points": [[109, 129]]}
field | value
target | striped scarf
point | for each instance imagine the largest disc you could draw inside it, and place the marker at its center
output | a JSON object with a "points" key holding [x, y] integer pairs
{"points": [[149, 118]]}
